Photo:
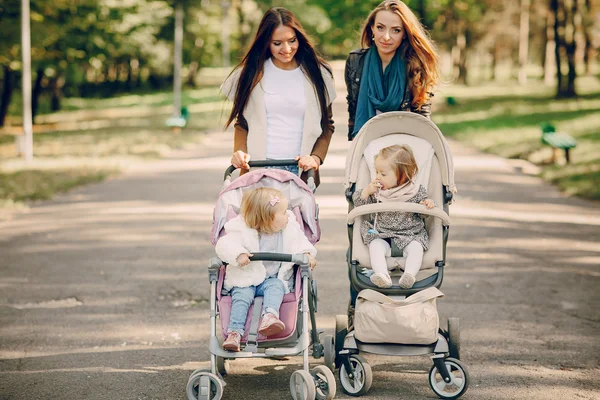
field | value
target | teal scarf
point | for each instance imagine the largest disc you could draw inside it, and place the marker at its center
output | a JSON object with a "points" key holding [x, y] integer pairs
{"points": [[383, 91]]}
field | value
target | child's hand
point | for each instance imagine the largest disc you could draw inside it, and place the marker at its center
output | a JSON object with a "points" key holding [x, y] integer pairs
{"points": [[428, 203], [373, 187], [311, 261], [243, 259]]}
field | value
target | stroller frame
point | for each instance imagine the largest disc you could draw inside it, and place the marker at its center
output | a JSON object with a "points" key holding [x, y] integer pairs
{"points": [[305, 384], [354, 372]]}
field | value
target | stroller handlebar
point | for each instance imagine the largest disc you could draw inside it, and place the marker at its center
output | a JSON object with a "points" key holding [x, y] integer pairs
{"points": [[275, 163]]}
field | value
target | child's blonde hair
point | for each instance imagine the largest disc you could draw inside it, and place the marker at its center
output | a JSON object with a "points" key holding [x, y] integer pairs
{"points": [[258, 208], [402, 160]]}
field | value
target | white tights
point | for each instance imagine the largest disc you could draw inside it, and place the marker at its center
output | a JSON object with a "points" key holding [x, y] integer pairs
{"points": [[379, 249]]}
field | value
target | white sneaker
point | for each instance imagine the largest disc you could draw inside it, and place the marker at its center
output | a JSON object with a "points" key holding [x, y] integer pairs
{"points": [[381, 280], [406, 281]]}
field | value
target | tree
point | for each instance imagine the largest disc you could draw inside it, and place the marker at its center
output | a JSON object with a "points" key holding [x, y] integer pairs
{"points": [[10, 14], [564, 12], [458, 27], [524, 41]]}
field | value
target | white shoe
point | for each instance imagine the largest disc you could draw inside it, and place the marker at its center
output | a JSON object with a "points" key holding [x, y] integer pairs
{"points": [[381, 280], [406, 281]]}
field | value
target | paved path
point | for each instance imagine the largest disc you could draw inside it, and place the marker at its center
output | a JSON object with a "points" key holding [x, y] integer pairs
{"points": [[103, 291]]}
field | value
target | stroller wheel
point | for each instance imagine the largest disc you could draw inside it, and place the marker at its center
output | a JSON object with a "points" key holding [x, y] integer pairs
{"points": [[302, 385], [458, 385], [360, 381], [330, 353], [324, 382], [203, 385], [454, 338]]}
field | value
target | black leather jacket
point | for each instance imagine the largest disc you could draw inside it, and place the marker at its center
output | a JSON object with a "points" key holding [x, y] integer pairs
{"points": [[354, 67]]}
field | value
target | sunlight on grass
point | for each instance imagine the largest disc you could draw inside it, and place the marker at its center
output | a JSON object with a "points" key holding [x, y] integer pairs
{"points": [[44, 184], [505, 120], [164, 98], [148, 138], [92, 142]]}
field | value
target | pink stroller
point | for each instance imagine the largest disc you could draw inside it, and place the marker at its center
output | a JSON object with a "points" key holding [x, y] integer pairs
{"points": [[296, 309]]}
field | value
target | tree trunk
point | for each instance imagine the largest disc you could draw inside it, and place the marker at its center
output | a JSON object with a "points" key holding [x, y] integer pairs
{"points": [[549, 55], [36, 92], [7, 89], [494, 61], [524, 41], [421, 10], [128, 76], [587, 26], [55, 85], [244, 37], [191, 77], [557, 10], [570, 47], [461, 43]]}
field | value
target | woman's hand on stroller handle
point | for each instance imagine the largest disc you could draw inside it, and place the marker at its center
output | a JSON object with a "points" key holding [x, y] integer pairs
{"points": [[269, 163], [239, 159], [307, 162]]}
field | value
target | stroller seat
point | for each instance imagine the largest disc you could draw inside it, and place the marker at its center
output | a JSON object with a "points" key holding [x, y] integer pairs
{"points": [[288, 311], [448, 377], [429, 175]]}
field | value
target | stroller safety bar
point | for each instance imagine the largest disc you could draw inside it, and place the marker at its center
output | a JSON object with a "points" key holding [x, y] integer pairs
{"points": [[404, 207], [299, 259], [310, 182]]}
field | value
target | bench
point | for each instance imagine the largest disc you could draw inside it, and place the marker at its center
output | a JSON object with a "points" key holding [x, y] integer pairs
{"points": [[178, 122], [558, 141]]}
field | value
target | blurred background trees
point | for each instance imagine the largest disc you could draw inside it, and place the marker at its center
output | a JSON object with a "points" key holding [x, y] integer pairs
{"points": [[99, 48]]}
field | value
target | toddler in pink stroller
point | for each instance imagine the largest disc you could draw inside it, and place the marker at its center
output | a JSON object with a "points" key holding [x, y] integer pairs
{"points": [[264, 226]]}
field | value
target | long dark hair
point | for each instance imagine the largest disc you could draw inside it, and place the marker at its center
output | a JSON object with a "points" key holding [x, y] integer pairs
{"points": [[259, 51]]}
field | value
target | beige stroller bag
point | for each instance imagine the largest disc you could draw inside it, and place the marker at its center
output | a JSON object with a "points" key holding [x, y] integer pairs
{"points": [[381, 319]]}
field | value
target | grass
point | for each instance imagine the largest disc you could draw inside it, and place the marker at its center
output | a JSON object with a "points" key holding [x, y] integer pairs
{"points": [[505, 120], [157, 99], [91, 139], [24, 185]]}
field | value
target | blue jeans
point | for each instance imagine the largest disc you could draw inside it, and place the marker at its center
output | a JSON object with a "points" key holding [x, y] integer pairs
{"points": [[291, 168], [272, 289]]}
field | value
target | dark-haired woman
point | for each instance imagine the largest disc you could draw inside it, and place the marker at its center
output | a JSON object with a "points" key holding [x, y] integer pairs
{"points": [[282, 92]]}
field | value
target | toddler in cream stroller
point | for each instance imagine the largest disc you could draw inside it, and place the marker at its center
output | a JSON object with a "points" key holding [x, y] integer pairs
{"points": [[362, 331]]}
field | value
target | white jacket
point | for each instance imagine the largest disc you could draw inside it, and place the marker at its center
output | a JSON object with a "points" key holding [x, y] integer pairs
{"points": [[239, 238], [256, 114]]}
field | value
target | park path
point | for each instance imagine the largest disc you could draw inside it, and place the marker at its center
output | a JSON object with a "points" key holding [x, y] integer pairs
{"points": [[103, 291]]}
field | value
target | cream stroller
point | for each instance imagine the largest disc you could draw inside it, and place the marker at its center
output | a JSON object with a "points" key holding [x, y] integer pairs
{"points": [[448, 376], [296, 309]]}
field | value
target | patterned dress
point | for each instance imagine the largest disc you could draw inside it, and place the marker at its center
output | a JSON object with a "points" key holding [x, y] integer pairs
{"points": [[401, 227]]}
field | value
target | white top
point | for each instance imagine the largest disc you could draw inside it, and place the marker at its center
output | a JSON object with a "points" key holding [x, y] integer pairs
{"points": [[285, 105], [271, 244]]}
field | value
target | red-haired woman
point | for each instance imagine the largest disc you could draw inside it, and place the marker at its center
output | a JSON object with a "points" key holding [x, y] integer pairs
{"points": [[282, 92], [396, 68]]}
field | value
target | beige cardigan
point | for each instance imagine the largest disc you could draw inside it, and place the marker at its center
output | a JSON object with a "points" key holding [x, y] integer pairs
{"points": [[250, 130]]}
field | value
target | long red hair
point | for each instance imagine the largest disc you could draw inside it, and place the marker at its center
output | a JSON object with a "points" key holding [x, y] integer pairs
{"points": [[422, 60]]}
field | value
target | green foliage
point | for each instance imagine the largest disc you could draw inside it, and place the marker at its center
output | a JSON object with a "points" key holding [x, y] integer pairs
{"points": [[504, 121]]}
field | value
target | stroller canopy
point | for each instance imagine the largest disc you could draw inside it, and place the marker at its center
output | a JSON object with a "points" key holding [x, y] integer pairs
{"points": [[301, 200], [402, 122]]}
